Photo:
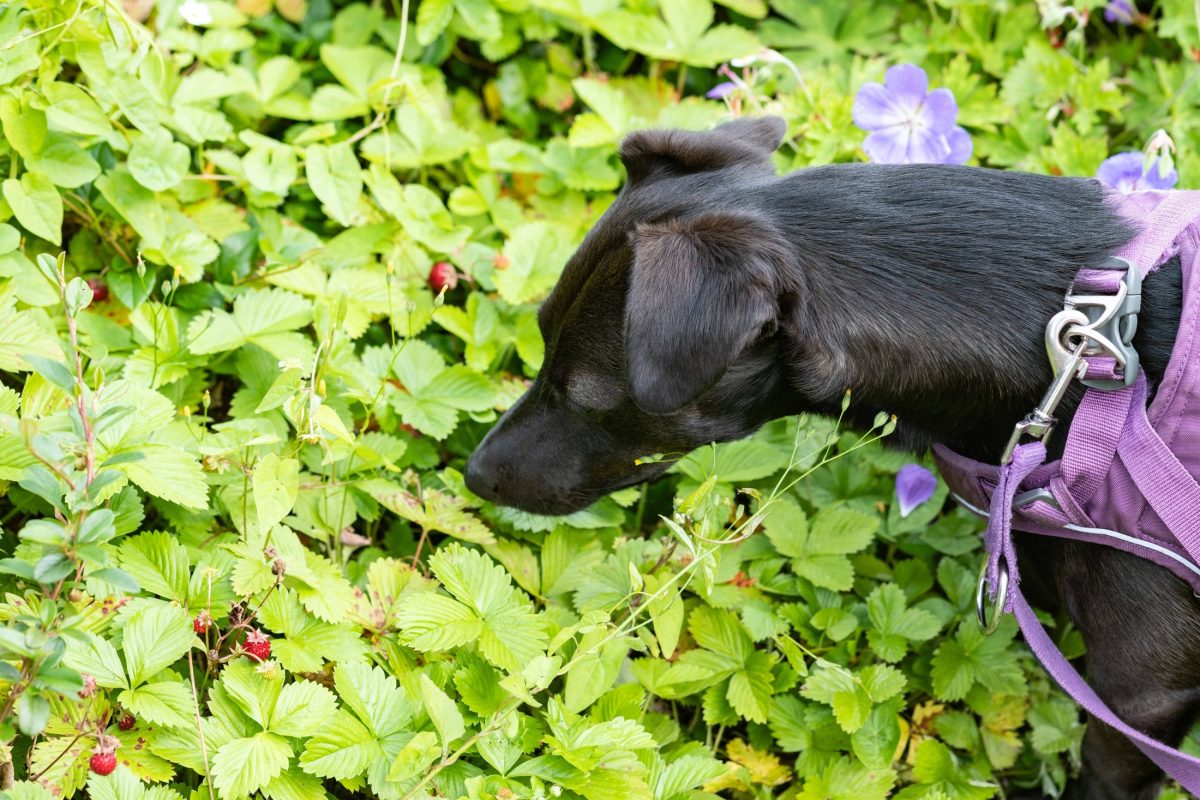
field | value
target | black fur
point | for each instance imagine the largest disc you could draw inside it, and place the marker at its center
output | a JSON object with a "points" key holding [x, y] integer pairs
{"points": [[714, 296]]}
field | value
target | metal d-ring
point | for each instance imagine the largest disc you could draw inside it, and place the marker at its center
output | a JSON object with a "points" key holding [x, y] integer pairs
{"points": [[989, 623]]}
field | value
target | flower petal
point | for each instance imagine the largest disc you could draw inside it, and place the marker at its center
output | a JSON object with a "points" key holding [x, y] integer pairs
{"points": [[888, 146], [914, 486], [1123, 172], [961, 146], [927, 147], [1120, 12], [907, 84], [1155, 180], [875, 108], [720, 90], [939, 111]]}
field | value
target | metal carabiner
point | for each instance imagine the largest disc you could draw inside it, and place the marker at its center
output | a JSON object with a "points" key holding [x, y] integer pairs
{"points": [[989, 619]]}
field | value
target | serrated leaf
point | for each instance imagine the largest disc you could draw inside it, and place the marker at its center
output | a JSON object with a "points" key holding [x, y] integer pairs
{"points": [[169, 473], [301, 709], [98, 658], [245, 765], [342, 749], [155, 637], [443, 712], [276, 484], [159, 563], [167, 703]]}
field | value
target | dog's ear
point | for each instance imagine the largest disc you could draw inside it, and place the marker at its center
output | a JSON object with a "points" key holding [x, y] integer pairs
{"points": [[700, 292], [648, 153]]}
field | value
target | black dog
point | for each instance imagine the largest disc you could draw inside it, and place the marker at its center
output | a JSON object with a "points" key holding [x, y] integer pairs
{"points": [[714, 296]]}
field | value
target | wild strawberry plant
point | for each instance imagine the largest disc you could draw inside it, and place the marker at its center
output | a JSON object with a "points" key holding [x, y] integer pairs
{"points": [[269, 270]]}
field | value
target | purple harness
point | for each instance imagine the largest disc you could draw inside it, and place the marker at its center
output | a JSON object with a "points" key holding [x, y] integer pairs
{"points": [[1129, 471]]}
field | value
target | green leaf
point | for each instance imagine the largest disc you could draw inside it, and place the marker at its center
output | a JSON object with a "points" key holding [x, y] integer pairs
{"points": [[432, 18], [157, 161], [264, 316], [301, 709], [375, 697], [751, 687], [846, 779], [435, 622], [970, 657], [167, 703], [292, 784], [819, 547], [36, 204], [443, 712], [335, 178], [245, 765], [64, 162], [512, 634], [276, 484], [155, 637], [97, 657], [342, 749], [720, 631], [876, 742], [896, 625], [415, 757], [169, 473], [159, 563], [72, 109], [137, 204], [536, 253]]}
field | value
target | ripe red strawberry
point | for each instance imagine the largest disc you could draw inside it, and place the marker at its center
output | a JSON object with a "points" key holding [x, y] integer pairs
{"points": [[103, 763], [99, 290], [443, 276], [127, 721], [257, 645], [201, 622]]}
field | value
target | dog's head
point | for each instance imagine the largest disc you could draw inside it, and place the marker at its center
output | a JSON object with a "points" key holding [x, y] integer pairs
{"points": [[661, 334]]}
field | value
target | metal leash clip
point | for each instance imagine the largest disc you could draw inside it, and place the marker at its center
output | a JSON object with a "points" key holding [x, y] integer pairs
{"points": [[1089, 325], [989, 620]]}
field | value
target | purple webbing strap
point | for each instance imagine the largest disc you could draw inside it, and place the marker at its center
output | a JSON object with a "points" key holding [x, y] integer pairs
{"points": [[1027, 457], [1175, 212], [998, 541], [1177, 764], [1164, 482]]}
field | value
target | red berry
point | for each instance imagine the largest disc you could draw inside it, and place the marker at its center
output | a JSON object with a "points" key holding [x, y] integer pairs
{"points": [[443, 277], [257, 645], [99, 290], [201, 622], [103, 763], [126, 722]]}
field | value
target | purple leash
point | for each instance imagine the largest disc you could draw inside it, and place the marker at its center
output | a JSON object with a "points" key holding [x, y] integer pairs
{"points": [[1002, 575]]}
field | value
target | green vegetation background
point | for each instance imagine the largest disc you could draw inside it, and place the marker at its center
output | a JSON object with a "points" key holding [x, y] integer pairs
{"points": [[234, 409]]}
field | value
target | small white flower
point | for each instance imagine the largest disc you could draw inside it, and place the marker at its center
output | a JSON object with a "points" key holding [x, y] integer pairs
{"points": [[196, 12]]}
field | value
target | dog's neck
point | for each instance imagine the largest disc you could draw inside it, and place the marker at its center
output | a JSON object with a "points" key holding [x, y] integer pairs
{"points": [[927, 291]]}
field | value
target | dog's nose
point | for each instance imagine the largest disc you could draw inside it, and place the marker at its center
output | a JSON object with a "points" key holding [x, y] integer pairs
{"points": [[481, 479]]}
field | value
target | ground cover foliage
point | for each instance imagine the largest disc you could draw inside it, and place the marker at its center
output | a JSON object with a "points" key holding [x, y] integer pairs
{"points": [[239, 553]]}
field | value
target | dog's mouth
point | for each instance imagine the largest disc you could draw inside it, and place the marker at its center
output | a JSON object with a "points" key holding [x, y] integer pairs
{"points": [[579, 499], [641, 474]]}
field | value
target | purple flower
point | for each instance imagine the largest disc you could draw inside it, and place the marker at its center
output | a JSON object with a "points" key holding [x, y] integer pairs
{"points": [[1123, 172], [1121, 12], [908, 124], [914, 485], [720, 90]]}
